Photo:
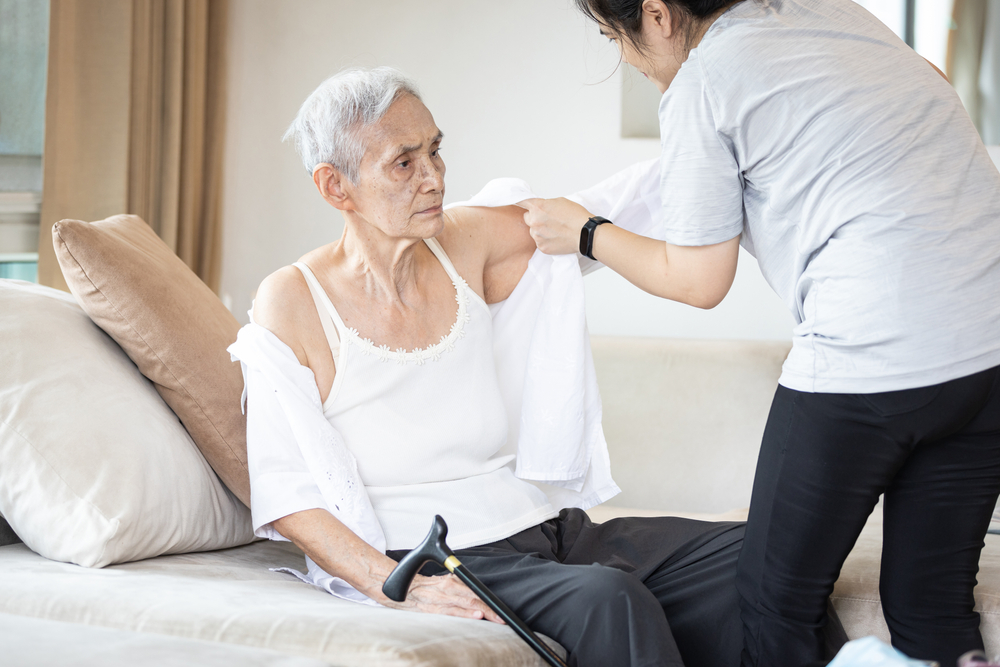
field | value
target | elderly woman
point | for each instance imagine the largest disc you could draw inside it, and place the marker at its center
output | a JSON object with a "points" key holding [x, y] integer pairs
{"points": [[372, 353]]}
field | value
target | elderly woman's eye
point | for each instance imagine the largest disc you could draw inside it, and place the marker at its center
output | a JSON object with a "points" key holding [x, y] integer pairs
{"points": [[404, 164]]}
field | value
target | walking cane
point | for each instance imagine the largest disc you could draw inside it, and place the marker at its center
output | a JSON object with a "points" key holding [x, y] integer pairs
{"points": [[434, 548]]}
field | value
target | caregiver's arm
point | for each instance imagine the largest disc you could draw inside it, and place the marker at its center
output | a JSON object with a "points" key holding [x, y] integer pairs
{"points": [[696, 275], [336, 549]]}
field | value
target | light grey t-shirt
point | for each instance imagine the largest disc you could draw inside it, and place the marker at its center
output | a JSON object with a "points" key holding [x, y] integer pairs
{"points": [[857, 180]]}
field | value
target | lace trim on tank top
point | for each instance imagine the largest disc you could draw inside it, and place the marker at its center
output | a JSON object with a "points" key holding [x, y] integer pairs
{"points": [[431, 353]]}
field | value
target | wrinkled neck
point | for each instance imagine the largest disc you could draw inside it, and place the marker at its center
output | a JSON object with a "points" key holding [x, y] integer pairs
{"points": [[388, 266]]}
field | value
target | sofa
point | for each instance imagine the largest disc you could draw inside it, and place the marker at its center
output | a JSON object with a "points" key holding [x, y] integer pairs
{"points": [[150, 558]]}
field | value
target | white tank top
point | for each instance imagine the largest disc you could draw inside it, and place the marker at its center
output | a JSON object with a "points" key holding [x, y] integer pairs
{"points": [[428, 427]]}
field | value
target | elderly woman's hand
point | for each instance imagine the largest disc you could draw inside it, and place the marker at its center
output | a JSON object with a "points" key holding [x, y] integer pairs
{"points": [[339, 551], [555, 224], [444, 594]]}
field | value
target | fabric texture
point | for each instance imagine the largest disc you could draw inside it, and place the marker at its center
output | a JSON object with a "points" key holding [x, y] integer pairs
{"points": [[29, 641], [96, 467], [286, 406], [825, 459], [7, 534], [817, 134], [427, 428], [657, 591], [973, 61], [693, 411], [287, 403], [230, 596], [169, 323], [558, 407], [135, 122]]}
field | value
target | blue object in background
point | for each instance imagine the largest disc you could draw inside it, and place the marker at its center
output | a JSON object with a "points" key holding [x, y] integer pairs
{"points": [[21, 266], [873, 652]]}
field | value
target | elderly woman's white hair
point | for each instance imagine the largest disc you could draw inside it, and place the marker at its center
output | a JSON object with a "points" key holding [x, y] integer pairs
{"points": [[329, 123]]}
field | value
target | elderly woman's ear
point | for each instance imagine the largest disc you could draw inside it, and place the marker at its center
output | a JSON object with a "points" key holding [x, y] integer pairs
{"points": [[329, 182]]}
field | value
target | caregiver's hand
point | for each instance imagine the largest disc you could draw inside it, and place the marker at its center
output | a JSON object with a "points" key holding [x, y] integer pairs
{"points": [[446, 595], [555, 224]]}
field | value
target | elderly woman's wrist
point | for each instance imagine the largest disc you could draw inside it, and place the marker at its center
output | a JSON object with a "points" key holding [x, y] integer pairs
{"points": [[370, 582]]}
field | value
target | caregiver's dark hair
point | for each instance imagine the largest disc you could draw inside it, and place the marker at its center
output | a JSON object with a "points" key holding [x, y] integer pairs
{"points": [[624, 17]]}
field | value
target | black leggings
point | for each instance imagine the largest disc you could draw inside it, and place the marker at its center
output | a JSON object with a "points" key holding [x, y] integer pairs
{"points": [[825, 459]]}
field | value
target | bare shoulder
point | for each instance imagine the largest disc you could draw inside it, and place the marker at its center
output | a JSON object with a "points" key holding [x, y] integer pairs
{"points": [[283, 306], [485, 220], [499, 240], [495, 232], [461, 232]]}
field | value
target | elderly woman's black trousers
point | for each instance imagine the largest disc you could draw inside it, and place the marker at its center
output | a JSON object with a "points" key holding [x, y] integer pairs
{"points": [[631, 592]]}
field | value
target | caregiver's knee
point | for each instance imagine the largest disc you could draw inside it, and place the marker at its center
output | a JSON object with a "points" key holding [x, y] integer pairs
{"points": [[794, 600]]}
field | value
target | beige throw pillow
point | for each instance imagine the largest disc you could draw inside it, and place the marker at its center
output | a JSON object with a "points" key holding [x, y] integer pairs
{"points": [[94, 467], [170, 323]]}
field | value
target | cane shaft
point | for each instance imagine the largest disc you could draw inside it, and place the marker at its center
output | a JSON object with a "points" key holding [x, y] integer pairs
{"points": [[509, 617]]}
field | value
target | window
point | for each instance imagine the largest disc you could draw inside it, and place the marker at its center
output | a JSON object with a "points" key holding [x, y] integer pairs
{"points": [[924, 24], [24, 27]]}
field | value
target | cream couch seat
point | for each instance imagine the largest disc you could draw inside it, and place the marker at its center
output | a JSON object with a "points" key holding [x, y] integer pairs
{"points": [[34, 641], [230, 597]]}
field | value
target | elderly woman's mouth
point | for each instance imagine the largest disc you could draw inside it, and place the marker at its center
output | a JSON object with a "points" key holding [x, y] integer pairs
{"points": [[434, 210]]}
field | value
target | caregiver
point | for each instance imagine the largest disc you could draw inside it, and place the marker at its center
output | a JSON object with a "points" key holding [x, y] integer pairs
{"points": [[806, 131]]}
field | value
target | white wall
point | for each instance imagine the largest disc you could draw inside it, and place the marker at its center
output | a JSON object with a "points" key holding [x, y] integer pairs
{"points": [[521, 88]]}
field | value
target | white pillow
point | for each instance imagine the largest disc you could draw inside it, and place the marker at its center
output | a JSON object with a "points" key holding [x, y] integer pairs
{"points": [[94, 467]]}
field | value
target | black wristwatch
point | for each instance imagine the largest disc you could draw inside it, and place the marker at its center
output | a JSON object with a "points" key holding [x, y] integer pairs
{"points": [[587, 235]]}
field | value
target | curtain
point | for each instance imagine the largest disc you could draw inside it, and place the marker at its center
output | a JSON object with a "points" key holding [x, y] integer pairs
{"points": [[989, 77], [973, 63], [134, 122]]}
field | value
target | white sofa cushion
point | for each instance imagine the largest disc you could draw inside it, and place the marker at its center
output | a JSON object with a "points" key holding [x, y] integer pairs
{"points": [[96, 469]]}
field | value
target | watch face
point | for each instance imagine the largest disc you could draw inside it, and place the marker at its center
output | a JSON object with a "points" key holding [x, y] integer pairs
{"points": [[587, 235]]}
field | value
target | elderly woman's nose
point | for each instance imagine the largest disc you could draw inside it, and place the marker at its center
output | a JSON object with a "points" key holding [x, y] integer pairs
{"points": [[433, 174]]}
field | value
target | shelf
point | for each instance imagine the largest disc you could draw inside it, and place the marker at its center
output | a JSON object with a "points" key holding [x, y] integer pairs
{"points": [[18, 257], [20, 202]]}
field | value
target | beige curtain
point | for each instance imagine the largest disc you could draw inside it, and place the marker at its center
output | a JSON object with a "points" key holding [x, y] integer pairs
{"points": [[974, 63], [134, 122], [965, 52]]}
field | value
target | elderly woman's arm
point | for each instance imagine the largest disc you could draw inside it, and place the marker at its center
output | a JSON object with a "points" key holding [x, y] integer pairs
{"points": [[341, 553]]}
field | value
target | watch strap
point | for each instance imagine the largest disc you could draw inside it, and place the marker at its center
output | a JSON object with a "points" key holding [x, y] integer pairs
{"points": [[587, 235]]}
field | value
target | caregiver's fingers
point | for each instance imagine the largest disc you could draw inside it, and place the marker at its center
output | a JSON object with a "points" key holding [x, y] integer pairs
{"points": [[528, 204], [555, 224]]}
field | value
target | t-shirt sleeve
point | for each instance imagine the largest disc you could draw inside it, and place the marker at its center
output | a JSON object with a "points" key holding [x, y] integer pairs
{"points": [[700, 184], [280, 480]]}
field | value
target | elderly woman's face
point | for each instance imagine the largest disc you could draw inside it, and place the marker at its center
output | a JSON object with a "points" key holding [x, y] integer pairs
{"points": [[401, 186]]}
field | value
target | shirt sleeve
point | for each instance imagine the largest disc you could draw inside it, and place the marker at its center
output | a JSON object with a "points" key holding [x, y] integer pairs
{"points": [[280, 481], [700, 184]]}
